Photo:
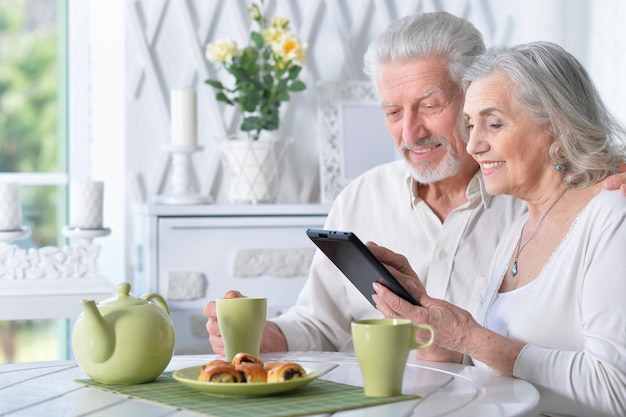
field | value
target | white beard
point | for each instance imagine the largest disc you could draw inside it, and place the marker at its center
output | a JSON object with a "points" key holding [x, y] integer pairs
{"points": [[422, 174]]}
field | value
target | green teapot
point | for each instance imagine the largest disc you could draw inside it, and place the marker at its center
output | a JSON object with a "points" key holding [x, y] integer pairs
{"points": [[124, 339]]}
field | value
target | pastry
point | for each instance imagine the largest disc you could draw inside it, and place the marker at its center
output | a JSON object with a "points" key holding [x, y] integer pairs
{"points": [[220, 373], [270, 365], [216, 362], [286, 371], [243, 357], [252, 372], [248, 368]]}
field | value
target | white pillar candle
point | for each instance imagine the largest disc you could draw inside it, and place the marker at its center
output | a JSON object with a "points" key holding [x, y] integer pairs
{"points": [[86, 204], [183, 113], [10, 208]]}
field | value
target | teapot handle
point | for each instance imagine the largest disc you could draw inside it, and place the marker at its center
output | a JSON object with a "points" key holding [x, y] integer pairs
{"points": [[158, 300]]}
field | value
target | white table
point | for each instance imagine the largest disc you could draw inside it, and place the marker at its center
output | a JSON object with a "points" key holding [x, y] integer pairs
{"points": [[48, 389]]}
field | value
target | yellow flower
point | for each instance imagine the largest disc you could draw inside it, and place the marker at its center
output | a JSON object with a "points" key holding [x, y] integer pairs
{"points": [[289, 48], [279, 22], [222, 50]]}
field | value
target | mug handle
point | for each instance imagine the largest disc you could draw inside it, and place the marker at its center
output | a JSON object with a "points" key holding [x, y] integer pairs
{"points": [[416, 328]]}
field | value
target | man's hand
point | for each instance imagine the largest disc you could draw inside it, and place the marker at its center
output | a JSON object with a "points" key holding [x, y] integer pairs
{"points": [[273, 339], [212, 326], [618, 180]]}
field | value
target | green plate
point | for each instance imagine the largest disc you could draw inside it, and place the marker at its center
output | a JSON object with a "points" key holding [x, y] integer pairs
{"points": [[189, 378]]}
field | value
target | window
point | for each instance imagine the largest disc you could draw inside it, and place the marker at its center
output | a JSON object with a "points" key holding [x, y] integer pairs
{"points": [[33, 147]]}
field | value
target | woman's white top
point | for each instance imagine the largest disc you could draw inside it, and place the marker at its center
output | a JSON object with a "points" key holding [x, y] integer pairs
{"points": [[504, 307], [573, 318]]}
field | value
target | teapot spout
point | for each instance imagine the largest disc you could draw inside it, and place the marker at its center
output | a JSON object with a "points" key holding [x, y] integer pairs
{"points": [[98, 335]]}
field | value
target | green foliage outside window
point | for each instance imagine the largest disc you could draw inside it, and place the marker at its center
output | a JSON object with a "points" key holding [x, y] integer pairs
{"points": [[28, 107]]}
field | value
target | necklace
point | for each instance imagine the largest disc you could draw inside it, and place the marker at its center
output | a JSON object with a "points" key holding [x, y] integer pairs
{"points": [[521, 247]]}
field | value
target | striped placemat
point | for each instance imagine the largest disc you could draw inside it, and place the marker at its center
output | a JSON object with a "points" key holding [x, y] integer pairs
{"points": [[318, 397]]}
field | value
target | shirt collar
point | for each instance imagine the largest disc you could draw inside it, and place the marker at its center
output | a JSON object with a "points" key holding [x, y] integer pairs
{"points": [[475, 193]]}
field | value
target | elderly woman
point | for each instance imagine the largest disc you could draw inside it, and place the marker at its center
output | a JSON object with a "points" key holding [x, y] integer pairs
{"points": [[554, 313]]}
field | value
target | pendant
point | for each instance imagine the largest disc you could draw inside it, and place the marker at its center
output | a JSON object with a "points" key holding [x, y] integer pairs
{"points": [[514, 269]]}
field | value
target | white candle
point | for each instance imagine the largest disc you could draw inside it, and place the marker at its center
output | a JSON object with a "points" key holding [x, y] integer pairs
{"points": [[10, 208], [86, 204], [183, 112]]}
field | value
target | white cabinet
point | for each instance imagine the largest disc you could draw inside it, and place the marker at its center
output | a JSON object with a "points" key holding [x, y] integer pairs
{"points": [[194, 254]]}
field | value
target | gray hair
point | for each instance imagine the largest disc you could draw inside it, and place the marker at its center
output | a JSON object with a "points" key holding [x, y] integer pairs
{"points": [[426, 34], [558, 93]]}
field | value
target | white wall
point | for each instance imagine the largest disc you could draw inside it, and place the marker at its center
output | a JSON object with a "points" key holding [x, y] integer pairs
{"points": [[606, 60], [97, 112]]}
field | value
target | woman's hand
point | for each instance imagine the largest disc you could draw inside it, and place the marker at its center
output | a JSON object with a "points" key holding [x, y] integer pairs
{"points": [[393, 306], [399, 266], [452, 324], [449, 321], [456, 331]]}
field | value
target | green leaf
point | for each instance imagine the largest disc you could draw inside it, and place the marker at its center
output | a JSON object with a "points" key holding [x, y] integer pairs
{"points": [[284, 96], [215, 84], [251, 123], [294, 72], [257, 39], [297, 86], [222, 97], [249, 58], [272, 109], [281, 87], [251, 100], [270, 122]]}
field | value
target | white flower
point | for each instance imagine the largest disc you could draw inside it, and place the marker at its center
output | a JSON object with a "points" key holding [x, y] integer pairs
{"points": [[222, 50], [254, 12], [272, 35]]}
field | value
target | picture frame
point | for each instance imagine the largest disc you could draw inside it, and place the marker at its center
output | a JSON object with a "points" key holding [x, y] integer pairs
{"points": [[353, 137]]}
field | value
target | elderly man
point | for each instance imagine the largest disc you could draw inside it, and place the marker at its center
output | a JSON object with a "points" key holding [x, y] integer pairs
{"points": [[432, 206]]}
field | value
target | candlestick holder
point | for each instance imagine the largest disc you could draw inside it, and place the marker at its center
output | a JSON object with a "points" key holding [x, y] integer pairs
{"points": [[84, 235], [185, 189], [8, 236]]}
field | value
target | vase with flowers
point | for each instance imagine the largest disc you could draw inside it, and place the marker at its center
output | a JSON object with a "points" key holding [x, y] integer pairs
{"points": [[265, 73]]}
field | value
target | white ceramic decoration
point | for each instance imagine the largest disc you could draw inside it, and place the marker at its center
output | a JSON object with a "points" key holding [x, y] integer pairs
{"points": [[183, 116], [185, 187], [86, 199], [10, 208], [252, 168]]}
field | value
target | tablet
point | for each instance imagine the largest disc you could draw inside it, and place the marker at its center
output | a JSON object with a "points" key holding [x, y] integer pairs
{"points": [[356, 262]]}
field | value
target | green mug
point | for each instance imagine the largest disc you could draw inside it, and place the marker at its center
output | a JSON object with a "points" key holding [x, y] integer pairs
{"points": [[382, 348], [241, 322]]}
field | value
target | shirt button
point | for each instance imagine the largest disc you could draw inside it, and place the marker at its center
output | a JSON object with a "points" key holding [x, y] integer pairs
{"points": [[443, 254]]}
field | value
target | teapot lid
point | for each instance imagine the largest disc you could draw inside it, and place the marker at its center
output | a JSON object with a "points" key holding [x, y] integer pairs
{"points": [[123, 299]]}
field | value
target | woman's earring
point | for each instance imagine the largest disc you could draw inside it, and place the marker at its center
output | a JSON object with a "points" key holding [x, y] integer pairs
{"points": [[560, 167]]}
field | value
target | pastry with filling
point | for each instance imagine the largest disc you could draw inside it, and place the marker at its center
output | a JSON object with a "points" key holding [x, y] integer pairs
{"points": [[243, 357], [286, 371], [270, 365], [216, 362], [252, 372], [220, 373]]}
